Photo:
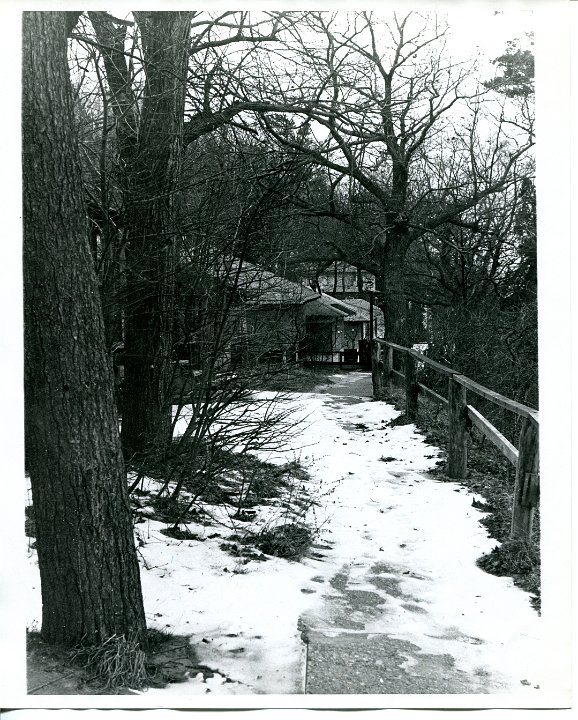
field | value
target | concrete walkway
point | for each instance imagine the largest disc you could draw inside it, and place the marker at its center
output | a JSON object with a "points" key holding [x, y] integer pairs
{"points": [[358, 641]]}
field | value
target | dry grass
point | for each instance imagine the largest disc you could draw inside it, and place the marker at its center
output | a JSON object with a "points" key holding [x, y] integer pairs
{"points": [[117, 662]]}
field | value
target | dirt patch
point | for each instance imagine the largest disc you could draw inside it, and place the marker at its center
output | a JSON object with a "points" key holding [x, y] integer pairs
{"points": [[381, 567], [400, 420], [297, 379], [52, 669], [339, 581], [516, 559]]}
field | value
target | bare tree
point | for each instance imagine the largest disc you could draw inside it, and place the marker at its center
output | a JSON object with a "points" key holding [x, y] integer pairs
{"points": [[148, 90], [405, 137], [149, 142], [234, 332], [478, 289], [394, 120]]}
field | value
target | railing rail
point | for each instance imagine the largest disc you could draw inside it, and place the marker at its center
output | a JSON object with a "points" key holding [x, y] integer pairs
{"points": [[461, 416]]}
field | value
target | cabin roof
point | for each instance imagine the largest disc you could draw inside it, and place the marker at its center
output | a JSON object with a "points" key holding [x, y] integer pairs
{"points": [[262, 287], [327, 306]]}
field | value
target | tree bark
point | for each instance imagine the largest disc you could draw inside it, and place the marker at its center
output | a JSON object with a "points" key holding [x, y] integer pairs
{"points": [[86, 553], [390, 283], [151, 158]]}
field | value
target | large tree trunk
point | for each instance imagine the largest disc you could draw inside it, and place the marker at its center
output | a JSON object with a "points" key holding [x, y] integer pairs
{"points": [[86, 553], [390, 284], [151, 160]]}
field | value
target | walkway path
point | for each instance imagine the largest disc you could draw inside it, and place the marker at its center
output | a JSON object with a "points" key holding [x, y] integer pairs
{"points": [[389, 601], [408, 611]]}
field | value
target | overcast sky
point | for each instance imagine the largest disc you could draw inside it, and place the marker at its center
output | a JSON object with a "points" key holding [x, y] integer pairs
{"points": [[488, 31]]}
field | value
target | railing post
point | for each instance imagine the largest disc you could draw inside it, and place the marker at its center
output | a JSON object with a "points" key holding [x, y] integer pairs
{"points": [[388, 369], [458, 431], [411, 389], [527, 488], [376, 374]]}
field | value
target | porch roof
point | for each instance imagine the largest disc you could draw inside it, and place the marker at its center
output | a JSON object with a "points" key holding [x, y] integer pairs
{"points": [[362, 311], [327, 306]]}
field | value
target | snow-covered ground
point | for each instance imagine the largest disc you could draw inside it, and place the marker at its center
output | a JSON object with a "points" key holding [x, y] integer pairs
{"points": [[376, 514]]}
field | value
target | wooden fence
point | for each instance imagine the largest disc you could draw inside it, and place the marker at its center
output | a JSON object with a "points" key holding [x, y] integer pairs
{"points": [[461, 416]]}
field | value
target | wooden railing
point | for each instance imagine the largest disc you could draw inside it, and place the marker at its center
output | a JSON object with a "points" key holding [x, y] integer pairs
{"points": [[461, 416]]}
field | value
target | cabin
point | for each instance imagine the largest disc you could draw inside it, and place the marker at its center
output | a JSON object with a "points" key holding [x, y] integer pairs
{"points": [[271, 319], [288, 321]]}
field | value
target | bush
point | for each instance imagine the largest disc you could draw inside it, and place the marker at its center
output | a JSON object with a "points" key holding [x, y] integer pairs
{"points": [[513, 557], [290, 541], [517, 559]]}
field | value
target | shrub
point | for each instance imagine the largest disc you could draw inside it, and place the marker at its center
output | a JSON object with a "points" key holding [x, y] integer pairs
{"points": [[513, 557], [290, 541]]}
